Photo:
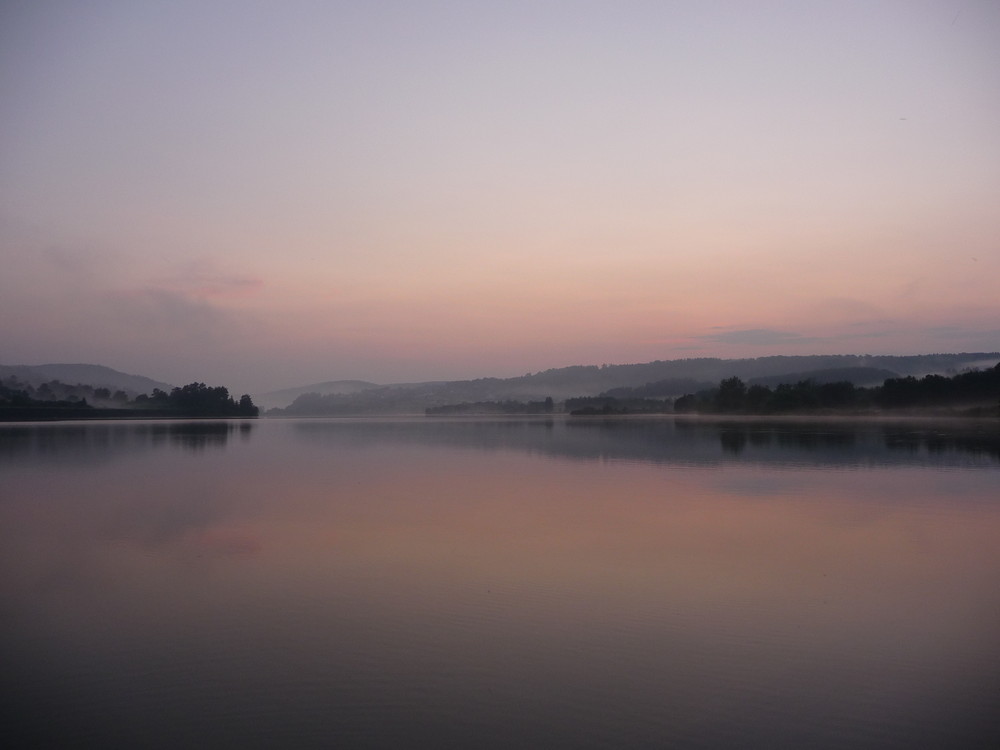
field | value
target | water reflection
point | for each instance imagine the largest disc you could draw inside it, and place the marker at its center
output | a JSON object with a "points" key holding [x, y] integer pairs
{"points": [[682, 441], [687, 441], [89, 442], [861, 437], [462, 584]]}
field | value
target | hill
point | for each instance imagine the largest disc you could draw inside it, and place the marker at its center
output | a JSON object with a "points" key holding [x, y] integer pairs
{"points": [[286, 396], [583, 380], [860, 376], [97, 376], [968, 393]]}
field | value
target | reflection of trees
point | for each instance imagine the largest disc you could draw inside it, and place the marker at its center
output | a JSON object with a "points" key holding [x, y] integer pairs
{"points": [[733, 441], [199, 435], [687, 441], [99, 441], [938, 442], [859, 438]]}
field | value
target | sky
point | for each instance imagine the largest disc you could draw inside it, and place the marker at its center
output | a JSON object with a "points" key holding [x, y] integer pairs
{"points": [[270, 194]]}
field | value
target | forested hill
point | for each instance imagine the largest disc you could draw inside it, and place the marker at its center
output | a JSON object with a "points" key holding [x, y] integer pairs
{"points": [[96, 376], [970, 393], [774, 369], [671, 378]]}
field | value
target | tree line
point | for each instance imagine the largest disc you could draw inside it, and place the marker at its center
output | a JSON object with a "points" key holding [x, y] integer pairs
{"points": [[975, 390], [13, 389], [22, 401], [608, 405], [198, 398], [509, 406]]}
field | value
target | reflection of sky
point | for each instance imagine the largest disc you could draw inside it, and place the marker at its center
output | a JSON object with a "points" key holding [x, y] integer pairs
{"points": [[764, 486], [323, 585]]}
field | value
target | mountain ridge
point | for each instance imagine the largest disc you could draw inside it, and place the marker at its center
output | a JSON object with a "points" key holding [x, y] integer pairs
{"points": [[270, 399], [365, 397], [99, 376], [592, 380]]}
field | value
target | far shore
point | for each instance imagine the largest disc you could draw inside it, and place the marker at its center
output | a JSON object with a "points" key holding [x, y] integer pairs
{"points": [[74, 414]]}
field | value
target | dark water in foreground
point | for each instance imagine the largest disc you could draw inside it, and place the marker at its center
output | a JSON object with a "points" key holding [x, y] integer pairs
{"points": [[506, 583]]}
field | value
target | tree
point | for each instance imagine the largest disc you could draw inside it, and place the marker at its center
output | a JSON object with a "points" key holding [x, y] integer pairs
{"points": [[731, 396], [247, 408], [757, 398]]}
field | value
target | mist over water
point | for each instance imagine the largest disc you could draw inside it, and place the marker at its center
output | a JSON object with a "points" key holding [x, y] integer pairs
{"points": [[500, 583]]}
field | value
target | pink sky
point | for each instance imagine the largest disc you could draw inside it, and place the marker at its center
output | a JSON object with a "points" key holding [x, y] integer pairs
{"points": [[265, 195]]}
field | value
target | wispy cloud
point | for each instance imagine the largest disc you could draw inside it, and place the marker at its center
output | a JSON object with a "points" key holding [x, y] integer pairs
{"points": [[76, 262], [202, 282], [756, 337], [160, 312], [945, 337], [189, 303]]}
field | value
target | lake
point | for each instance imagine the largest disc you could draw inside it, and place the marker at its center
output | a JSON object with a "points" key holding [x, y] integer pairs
{"points": [[549, 583]]}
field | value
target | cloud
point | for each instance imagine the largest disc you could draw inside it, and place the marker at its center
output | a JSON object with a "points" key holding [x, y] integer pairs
{"points": [[161, 312], [200, 282], [71, 261], [842, 309], [228, 541], [190, 303], [894, 336], [756, 337]]}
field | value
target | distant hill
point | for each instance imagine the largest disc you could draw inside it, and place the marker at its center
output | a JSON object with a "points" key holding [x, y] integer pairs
{"points": [[592, 380], [97, 376], [286, 396], [859, 376], [661, 389]]}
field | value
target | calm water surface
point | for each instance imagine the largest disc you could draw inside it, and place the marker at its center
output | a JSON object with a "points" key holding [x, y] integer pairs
{"points": [[506, 583]]}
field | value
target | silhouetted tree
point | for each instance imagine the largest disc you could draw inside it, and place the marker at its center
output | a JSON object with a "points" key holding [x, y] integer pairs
{"points": [[246, 407], [757, 398], [731, 395]]}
